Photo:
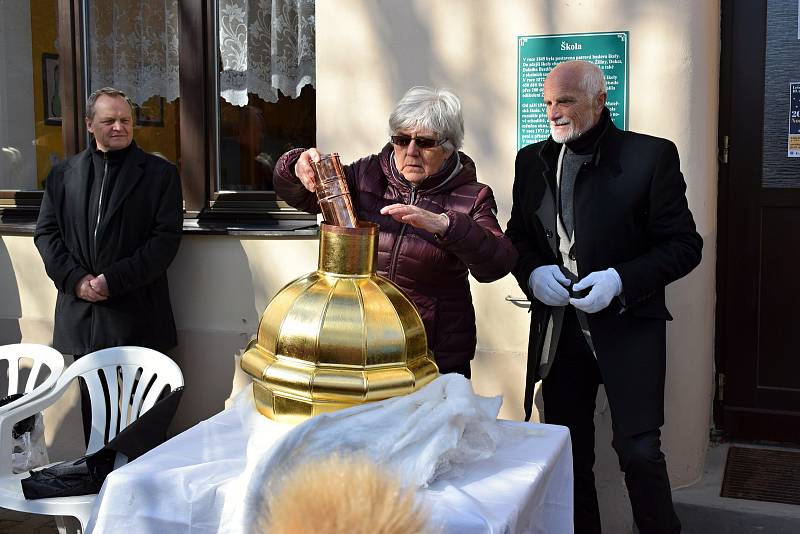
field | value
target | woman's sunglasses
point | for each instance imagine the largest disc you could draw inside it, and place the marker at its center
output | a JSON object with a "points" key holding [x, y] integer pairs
{"points": [[422, 142]]}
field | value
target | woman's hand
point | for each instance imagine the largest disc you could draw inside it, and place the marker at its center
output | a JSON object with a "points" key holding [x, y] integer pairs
{"points": [[304, 169], [435, 223]]}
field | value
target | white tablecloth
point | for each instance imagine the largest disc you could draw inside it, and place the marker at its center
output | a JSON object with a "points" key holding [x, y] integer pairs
{"points": [[194, 483]]}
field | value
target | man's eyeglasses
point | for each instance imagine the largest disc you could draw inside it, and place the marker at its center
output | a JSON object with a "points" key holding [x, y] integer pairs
{"points": [[422, 142]]}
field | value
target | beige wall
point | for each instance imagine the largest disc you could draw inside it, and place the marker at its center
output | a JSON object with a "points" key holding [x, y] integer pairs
{"points": [[369, 53]]}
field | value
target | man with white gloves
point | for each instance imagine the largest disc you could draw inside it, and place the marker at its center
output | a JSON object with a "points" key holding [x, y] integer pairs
{"points": [[602, 225]]}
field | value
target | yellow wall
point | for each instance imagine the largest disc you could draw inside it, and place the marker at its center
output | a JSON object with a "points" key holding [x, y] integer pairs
{"points": [[44, 35]]}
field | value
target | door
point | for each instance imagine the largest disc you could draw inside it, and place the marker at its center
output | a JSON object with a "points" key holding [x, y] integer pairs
{"points": [[758, 255]]}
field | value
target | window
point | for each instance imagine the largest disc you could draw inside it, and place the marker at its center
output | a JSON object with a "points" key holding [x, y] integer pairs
{"points": [[30, 97], [252, 137], [263, 88], [221, 88], [133, 46], [266, 101]]}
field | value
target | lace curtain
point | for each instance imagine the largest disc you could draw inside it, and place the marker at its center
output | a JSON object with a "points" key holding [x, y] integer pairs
{"points": [[265, 46], [133, 46]]}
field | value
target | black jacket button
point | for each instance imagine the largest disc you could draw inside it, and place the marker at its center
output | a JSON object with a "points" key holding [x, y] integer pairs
{"points": [[548, 233]]}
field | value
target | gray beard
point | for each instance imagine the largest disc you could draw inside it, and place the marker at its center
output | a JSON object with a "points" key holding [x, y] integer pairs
{"points": [[571, 135]]}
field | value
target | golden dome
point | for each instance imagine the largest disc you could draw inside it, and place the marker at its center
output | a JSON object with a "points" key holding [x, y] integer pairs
{"points": [[339, 336]]}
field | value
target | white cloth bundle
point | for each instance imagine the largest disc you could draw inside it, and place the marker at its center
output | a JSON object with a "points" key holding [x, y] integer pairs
{"points": [[207, 480], [419, 437]]}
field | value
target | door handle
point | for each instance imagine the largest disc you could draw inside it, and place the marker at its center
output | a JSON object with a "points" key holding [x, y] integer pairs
{"points": [[521, 302], [724, 149]]}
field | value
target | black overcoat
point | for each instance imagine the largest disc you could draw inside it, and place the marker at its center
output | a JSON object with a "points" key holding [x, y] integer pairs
{"points": [[631, 214], [136, 241]]}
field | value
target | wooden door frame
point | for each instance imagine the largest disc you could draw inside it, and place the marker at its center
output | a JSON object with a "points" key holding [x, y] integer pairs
{"points": [[739, 205], [734, 113], [723, 169]]}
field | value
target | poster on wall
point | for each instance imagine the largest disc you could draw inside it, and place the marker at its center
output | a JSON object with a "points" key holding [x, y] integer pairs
{"points": [[794, 120], [538, 54]]}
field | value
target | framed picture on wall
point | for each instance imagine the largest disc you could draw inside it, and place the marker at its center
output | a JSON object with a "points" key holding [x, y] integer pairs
{"points": [[50, 89], [151, 113]]}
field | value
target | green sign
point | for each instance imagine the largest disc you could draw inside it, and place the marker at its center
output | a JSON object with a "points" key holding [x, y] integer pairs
{"points": [[538, 54]]}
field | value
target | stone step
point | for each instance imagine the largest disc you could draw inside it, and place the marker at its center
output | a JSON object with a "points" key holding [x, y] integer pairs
{"points": [[707, 519]]}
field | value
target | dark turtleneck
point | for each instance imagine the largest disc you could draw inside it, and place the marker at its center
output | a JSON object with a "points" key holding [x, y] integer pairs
{"points": [[101, 181], [579, 152], [586, 143]]}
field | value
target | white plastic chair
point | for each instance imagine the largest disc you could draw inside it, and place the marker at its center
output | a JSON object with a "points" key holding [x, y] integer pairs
{"points": [[127, 371], [43, 360]]}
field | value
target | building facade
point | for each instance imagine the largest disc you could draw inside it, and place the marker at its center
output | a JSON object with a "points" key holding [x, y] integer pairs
{"points": [[224, 124]]}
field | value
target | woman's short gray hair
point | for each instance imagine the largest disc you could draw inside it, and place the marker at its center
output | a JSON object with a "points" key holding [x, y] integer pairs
{"points": [[437, 110]]}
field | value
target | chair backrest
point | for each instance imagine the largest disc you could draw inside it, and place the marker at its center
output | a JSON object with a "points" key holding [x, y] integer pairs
{"points": [[47, 364], [123, 383]]}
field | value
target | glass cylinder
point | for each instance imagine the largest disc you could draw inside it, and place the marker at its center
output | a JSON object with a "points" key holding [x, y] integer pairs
{"points": [[333, 193]]}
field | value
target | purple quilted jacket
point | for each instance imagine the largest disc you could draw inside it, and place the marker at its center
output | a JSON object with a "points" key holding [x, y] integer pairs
{"points": [[432, 271]]}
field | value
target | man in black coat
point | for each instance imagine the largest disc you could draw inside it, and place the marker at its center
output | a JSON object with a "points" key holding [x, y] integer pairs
{"points": [[109, 226], [602, 225]]}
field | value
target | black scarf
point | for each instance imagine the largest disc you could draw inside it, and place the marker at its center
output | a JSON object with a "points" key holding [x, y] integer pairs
{"points": [[587, 143]]}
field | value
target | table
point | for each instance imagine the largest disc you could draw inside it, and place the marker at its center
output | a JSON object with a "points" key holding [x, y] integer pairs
{"points": [[193, 483]]}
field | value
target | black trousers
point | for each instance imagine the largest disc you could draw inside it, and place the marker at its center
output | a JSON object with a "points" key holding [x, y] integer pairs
{"points": [[569, 393]]}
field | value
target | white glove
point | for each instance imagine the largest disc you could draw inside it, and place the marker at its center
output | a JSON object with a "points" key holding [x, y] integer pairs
{"points": [[548, 284], [605, 286]]}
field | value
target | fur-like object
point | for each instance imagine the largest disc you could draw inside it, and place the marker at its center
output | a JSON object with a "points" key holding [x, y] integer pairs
{"points": [[342, 495]]}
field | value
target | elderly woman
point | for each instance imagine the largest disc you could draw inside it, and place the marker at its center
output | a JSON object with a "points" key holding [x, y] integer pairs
{"points": [[437, 222]]}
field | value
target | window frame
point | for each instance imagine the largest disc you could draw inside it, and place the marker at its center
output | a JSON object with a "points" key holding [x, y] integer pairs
{"points": [[202, 200], [205, 209], [22, 205]]}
